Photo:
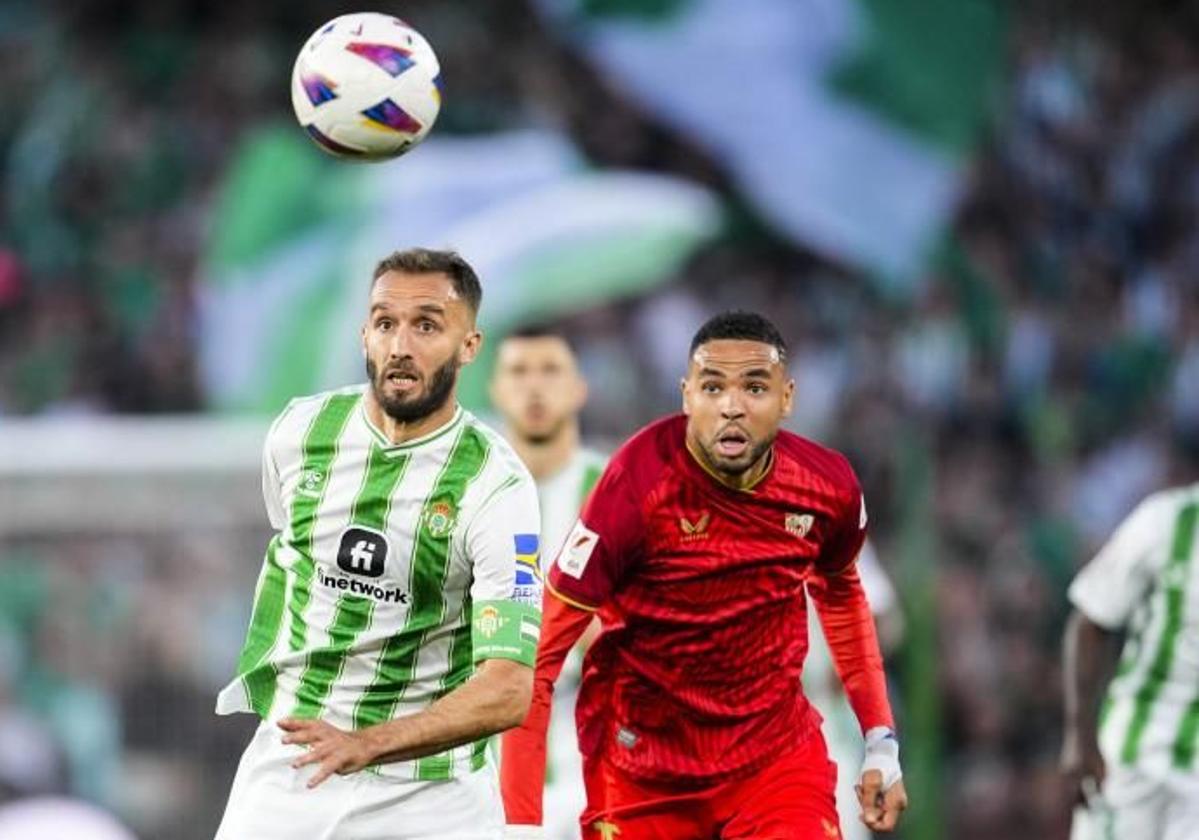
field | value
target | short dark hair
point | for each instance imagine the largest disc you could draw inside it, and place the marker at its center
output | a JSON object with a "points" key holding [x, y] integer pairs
{"points": [[540, 331], [430, 261], [738, 325]]}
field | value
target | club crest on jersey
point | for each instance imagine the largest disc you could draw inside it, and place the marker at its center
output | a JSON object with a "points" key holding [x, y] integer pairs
{"points": [[697, 530], [799, 524], [489, 621], [440, 518]]}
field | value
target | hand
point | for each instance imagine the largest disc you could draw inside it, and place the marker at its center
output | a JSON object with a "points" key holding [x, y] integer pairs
{"points": [[1083, 767], [524, 832], [880, 787], [880, 808], [334, 750]]}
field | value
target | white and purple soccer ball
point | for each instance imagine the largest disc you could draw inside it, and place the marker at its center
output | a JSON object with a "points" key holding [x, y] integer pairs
{"points": [[366, 86]]}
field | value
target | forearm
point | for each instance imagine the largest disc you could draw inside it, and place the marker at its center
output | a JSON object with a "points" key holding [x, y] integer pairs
{"points": [[523, 756], [1089, 657], [495, 699], [849, 629]]}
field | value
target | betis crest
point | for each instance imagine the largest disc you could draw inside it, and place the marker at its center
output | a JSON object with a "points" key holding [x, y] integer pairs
{"points": [[440, 518], [489, 621]]}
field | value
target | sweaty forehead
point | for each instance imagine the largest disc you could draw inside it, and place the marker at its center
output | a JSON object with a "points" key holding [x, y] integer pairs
{"points": [[733, 356]]}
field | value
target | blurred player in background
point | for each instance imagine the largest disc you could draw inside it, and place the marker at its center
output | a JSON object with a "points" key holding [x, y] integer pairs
{"points": [[538, 390], [389, 636], [696, 548], [1131, 759], [823, 687]]}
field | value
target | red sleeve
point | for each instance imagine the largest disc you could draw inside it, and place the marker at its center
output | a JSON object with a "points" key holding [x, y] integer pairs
{"points": [[522, 750], [847, 537], [603, 543], [849, 629]]}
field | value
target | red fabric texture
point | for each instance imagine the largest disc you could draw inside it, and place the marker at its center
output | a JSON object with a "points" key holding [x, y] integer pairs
{"points": [[791, 798], [849, 630]]}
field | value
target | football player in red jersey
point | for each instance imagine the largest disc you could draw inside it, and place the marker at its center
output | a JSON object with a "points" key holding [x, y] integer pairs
{"points": [[695, 549]]}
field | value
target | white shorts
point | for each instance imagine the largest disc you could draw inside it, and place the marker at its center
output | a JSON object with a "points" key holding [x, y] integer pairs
{"points": [[270, 801], [1138, 807]]}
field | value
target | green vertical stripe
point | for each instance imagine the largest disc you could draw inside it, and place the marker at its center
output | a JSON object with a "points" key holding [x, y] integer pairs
{"points": [[1175, 590], [430, 561], [354, 612], [265, 622], [591, 474], [320, 448]]}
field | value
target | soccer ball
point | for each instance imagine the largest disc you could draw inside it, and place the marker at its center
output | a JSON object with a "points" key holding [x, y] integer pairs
{"points": [[366, 86]]}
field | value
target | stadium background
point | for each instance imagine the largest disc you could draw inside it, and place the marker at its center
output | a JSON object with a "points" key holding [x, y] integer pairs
{"points": [[975, 221]]}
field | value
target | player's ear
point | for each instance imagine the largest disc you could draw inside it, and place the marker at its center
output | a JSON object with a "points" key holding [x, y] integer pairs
{"points": [[788, 397], [362, 335], [686, 391], [470, 347]]}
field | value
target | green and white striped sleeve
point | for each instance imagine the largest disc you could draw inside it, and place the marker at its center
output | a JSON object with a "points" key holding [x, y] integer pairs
{"points": [[1110, 587], [503, 546]]}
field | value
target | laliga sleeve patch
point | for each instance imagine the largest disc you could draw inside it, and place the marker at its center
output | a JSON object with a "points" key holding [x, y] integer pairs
{"points": [[576, 551]]}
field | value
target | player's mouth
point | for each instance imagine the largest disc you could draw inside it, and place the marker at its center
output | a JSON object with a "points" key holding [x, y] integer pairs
{"points": [[402, 380], [732, 443]]}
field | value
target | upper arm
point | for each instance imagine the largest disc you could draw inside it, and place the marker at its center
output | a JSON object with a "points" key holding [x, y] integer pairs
{"points": [[1108, 589], [603, 543], [503, 547], [848, 533], [272, 483]]}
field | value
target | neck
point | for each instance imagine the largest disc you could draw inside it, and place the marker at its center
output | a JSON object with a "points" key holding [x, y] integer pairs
{"points": [[399, 432], [744, 481], [545, 458]]}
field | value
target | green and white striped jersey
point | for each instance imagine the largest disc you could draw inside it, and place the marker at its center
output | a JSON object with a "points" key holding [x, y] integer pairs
{"points": [[1145, 579], [561, 496], [395, 569]]}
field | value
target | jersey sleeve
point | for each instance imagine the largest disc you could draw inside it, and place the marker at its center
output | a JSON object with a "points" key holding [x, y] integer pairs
{"points": [[848, 534], [1110, 587], [603, 544], [503, 546], [272, 485]]}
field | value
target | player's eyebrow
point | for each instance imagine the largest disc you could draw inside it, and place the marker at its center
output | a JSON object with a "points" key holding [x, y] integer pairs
{"points": [[757, 373], [711, 372]]}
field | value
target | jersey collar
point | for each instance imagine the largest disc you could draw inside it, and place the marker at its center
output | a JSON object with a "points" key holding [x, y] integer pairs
{"points": [[428, 437]]}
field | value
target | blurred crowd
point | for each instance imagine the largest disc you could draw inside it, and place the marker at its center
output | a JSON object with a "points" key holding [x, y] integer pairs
{"points": [[1045, 370]]}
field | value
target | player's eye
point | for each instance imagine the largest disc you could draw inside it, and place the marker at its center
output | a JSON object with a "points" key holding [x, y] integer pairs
{"points": [[383, 324], [710, 388], [426, 326], [756, 388]]}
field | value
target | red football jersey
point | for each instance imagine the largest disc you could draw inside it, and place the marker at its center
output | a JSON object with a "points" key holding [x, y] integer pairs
{"points": [[700, 590]]}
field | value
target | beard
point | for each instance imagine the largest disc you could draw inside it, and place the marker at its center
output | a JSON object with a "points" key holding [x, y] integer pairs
{"points": [[433, 396], [738, 466]]}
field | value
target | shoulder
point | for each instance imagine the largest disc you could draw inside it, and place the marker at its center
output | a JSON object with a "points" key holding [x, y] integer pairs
{"points": [[645, 456], [503, 465], [1156, 513], [591, 459], [798, 453], [295, 418]]}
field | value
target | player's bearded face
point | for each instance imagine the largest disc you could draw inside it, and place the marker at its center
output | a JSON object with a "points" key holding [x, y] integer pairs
{"points": [[736, 395], [417, 335], [407, 404]]}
